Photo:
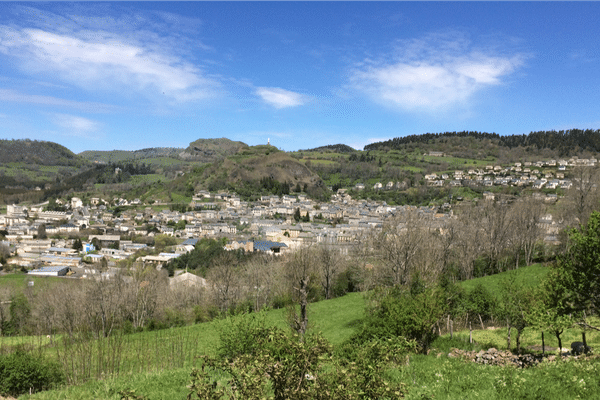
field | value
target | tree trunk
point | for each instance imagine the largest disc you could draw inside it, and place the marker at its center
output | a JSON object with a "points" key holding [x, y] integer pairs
{"points": [[543, 345], [559, 342], [470, 333], [481, 322], [518, 341], [303, 325], [508, 338]]}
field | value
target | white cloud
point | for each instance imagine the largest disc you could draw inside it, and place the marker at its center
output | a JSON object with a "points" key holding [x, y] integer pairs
{"points": [[280, 98], [432, 74], [103, 60], [76, 126]]}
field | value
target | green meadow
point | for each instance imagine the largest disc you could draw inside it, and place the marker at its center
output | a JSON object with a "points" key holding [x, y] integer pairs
{"points": [[157, 364]]}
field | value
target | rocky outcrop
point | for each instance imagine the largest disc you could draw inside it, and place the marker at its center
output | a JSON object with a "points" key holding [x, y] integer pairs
{"points": [[498, 357]]}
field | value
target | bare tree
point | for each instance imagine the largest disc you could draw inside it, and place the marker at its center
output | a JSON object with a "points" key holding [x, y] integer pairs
{"points": [[141, 294], [6, 293], [430, 259], [329, 263], [300, 267], [583, 197], [104, 305], [525, 215], [399, 242], [260, 276], [494, 233], [225, 279], [363, 256]]}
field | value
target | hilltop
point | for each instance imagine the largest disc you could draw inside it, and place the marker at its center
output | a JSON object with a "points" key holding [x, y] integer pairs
{"points": [[114, 156], [336, 148], [33, 171], [261, 166], [201, 150], [37, 152], [210, 150], [506, 148]]}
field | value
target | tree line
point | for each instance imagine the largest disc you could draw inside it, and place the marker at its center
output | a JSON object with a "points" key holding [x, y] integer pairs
{"points": [[565, 142]]}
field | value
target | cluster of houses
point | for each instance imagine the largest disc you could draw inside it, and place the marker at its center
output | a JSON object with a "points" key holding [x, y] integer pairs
{"points": [[538, 175], [269, 224]]}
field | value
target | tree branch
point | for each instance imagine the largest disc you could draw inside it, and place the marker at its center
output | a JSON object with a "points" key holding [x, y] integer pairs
{"points": [[585, 325]]}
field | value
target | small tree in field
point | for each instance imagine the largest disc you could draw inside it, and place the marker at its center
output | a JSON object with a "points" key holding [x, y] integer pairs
{"points": [[578, 270], [410, 314], [300, 270], [515, 307]]}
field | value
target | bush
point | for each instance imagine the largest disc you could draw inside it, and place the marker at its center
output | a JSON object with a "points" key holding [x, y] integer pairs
{"points": [[244, 334], [410, 314], [22, 373], [282, 366]]}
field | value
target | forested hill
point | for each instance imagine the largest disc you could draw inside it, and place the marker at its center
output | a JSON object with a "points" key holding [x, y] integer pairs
{"points": [[113, 156], [565, 142], [37, 152], [336, 148]]}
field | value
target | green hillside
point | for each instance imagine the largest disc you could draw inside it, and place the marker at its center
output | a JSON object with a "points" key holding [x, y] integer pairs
{"points": [[254, 170], [37, 152]]}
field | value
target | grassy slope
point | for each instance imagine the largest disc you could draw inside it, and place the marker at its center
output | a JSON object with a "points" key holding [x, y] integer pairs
{"points": [[334, 318], [530, 276], [433, 376]]}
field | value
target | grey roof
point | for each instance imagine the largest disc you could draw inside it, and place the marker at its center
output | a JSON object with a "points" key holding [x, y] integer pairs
{"points": [[190, 242], [265, 245]]}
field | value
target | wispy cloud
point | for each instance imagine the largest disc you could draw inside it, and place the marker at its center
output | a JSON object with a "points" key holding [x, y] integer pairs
{"points": [[281, 98], [108, 61], [73, 125], [9, 95], [432, 74]]}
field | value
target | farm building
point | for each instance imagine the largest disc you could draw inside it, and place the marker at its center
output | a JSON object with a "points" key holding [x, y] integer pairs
{"points": [[187, 280], [60, 270]]}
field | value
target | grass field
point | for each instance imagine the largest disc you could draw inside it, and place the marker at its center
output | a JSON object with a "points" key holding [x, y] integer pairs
{"points": [[530, 277], [159, 363], [18, 281], [139, 180]]}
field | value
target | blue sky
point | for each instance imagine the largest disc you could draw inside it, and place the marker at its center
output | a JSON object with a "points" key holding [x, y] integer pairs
{"points": [[104, 75]]}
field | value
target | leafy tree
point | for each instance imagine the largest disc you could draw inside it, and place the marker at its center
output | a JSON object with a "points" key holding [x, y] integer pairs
{"points": [[42, 232], [162, 241], [97, 243], [77, 245], [270, 363], [406, 313], [515, 306], [579, 268], [53, 206], [22, 373], [20, 311], [550, 312], [480, 303], [297, 216]]}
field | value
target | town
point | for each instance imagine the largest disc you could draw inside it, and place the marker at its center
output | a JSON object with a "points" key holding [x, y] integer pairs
{"points": [[62, 243]]}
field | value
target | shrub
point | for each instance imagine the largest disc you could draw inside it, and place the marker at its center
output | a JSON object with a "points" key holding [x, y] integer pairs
{"points": [[22, 373], [285, 367], [244, 334], [410, 314]]}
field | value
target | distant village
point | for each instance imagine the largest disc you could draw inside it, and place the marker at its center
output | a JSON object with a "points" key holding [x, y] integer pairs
{"points": [[273, 224]]}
